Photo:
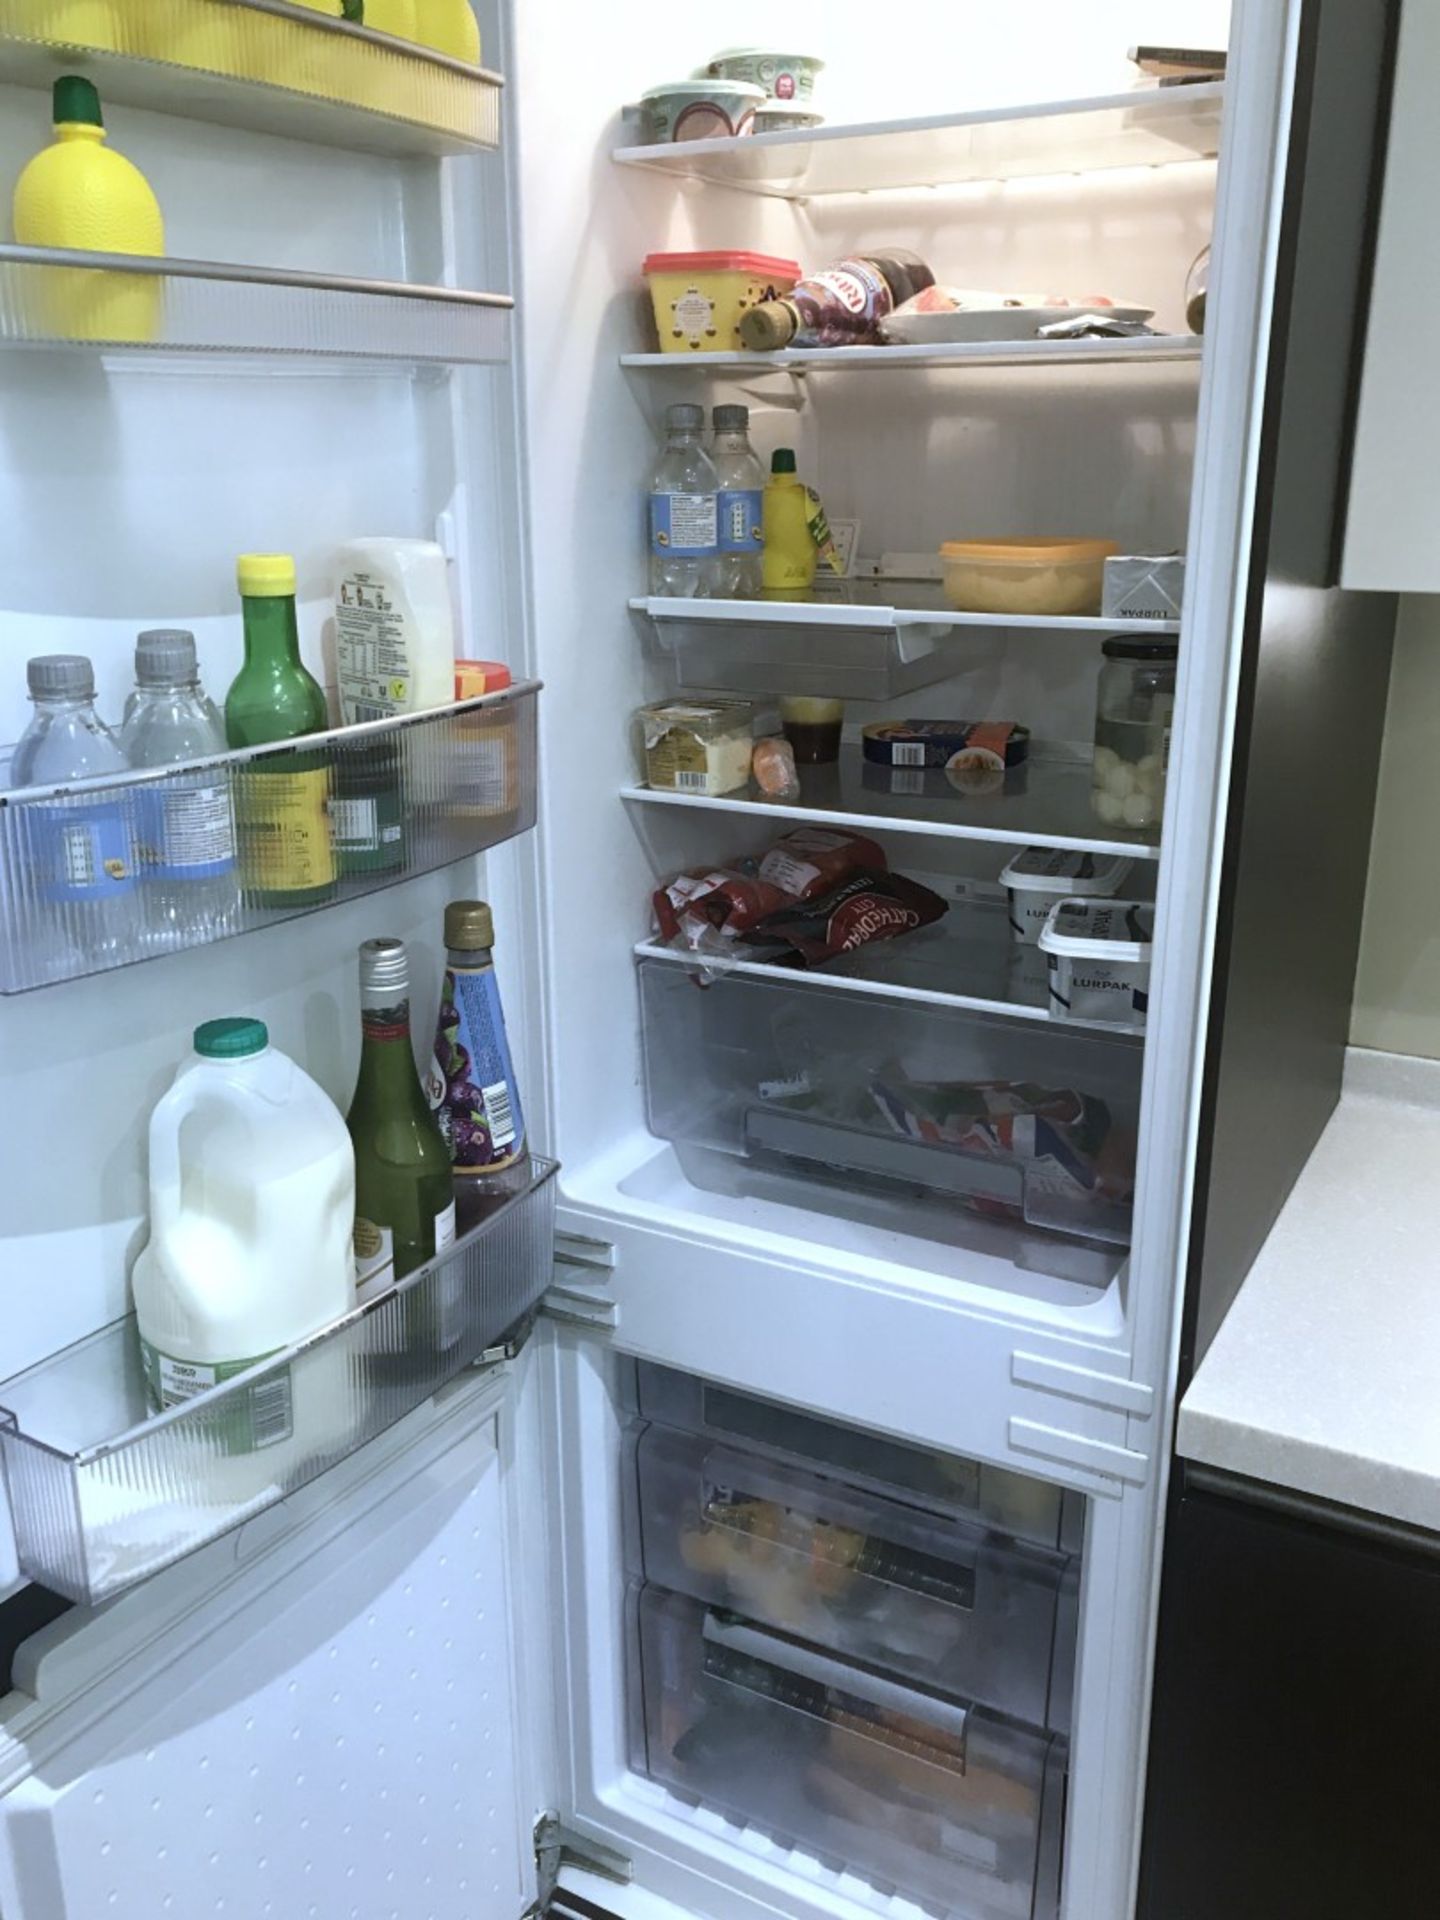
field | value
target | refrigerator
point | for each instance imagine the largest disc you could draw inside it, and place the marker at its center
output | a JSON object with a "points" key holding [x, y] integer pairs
{"points": [[780, 1533]]}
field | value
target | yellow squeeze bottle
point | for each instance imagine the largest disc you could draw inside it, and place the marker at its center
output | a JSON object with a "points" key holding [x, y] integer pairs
{"points": [[788, 565], [391, 16], [449, 26], [80, 23], [79, 193]]}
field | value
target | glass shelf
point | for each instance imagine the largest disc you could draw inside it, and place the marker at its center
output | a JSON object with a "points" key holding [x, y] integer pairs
{"points": [[856, 647], [262, 65], [1146, 127], [1044, 803], [404, 797], [119, 302], [103, 1494], [1163, 349]]}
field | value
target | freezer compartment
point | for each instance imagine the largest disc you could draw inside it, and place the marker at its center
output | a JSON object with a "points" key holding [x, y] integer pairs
{"points": [[81, 892], [943, 1483], [914, 1594], [297, 73], [922, 1116], [102, 1494], [934, 1800]]}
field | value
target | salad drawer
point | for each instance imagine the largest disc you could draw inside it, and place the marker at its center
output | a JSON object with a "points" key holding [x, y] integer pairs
{"points": [[929, 1798], [917, 1594]]}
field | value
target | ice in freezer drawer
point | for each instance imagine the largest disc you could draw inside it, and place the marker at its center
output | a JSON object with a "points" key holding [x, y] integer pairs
{"points": [[945, 1482], [942, 1603], [1026, 1123], [944, 1803]]}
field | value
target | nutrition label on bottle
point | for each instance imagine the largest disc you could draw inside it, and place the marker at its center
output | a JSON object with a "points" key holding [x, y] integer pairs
{"points": [[684, 523], [187, 832], [372, 660]]}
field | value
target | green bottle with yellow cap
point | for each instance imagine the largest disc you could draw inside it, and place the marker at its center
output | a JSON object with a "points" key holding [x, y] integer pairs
{"points": [[282, 800]]}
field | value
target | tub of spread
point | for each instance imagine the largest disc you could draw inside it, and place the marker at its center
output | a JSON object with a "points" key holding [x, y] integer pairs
{"points": [[1035, 576], [1039, 878], [1098, 954], [699, 297], [698, 110], [783, 76]]}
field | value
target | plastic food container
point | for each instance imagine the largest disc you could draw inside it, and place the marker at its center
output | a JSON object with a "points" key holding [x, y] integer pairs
{"points": [[953, 744], [1144, 586], [699, 297], [698, 746], [1098, 953], [779, 116], [1025, 576], [783, 76], [698, 110], [1041, 877]]}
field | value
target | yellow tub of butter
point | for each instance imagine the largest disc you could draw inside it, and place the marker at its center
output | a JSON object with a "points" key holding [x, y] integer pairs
{"points": [[699, 297]]}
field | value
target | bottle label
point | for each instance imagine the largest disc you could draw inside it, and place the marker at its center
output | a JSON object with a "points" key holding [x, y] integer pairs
{"points": [[285, 830], [372, 659], [844, 303], [368, 831], [186, 833], [261, 1417], [683, 525], [471, 1083], [84, 853], [485, 771], [374, 1258], [740, 510]]}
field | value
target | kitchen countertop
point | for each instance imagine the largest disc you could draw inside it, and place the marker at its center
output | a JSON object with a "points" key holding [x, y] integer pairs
{"points": [[1325, 1375]]}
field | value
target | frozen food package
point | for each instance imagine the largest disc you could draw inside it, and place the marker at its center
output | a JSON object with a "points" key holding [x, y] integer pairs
{"points": [[866, 907]]}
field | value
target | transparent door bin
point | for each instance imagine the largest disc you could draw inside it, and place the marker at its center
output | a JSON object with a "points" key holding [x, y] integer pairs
{"points": [[426, 789], [103, 1495], [923, 1597], [928, 1114], [269, 67], [941, 1802], [943, 1483]]}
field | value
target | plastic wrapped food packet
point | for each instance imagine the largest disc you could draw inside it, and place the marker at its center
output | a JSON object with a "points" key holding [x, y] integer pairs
{"points": [[773, 769], [867, 907]]}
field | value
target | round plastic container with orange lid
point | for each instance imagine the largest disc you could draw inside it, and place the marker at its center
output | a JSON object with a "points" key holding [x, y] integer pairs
{"points": [[1035, 576], [699, 297]]}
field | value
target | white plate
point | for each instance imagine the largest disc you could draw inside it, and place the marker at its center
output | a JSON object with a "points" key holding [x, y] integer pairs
{"points": [[990, 323]]}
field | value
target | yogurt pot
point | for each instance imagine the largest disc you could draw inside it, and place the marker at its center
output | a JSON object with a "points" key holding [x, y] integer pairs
{"points": [[779, 116], [1041, 877], [1098, 953], [699, 110], [783, 76]]}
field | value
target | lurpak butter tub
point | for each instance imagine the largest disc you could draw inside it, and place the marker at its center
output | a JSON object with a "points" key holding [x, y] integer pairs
{"points": [[1038, 879], [1098, 952]]}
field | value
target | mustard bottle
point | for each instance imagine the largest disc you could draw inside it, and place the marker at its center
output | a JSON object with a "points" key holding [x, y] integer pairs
{"points": [[788, 566]]}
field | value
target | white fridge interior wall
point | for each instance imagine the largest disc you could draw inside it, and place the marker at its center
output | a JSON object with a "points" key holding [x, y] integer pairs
{"points": [[128, 485]]}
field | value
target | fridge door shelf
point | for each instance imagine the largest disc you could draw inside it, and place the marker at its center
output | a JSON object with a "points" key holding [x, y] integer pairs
{"points": [[1145, 127], [131, 303], [932, 1601], [103, 1495], [265, 66], [925, 1119], [1045, 802], [972, 1492], [1144, 350], [940, 1802], [416, 793]]}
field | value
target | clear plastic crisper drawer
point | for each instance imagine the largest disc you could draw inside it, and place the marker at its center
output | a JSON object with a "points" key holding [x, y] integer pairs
{"points": [[923, 1116], [930, 1798], [102, 1494], [946, 1484], [84, 885], [912, 1593]]}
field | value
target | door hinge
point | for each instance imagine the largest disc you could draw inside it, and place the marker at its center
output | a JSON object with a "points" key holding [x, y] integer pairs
{"points": [[557, 1847], [579, 1295]]}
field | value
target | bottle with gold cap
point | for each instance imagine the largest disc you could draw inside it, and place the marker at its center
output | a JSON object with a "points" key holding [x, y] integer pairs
{"points": [[282, 800], [471, 1082]]}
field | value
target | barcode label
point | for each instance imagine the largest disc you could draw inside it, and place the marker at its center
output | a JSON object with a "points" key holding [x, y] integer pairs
{"points": [[270, 1411], [691, 782], [367, 710], [498, 1114], [907, 753], [77, 846], [908, 783]]}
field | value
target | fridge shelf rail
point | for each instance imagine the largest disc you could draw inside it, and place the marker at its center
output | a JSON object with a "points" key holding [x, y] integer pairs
{"points": [[83, 887], [1164, 350], [1043, 803], [858, 647], [1145, 127], [264, 66], [128, 303], [103, 1494]]}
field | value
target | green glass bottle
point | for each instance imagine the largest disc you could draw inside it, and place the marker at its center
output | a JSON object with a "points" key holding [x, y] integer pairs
{"points": [[282, 800], [404, 1201]]}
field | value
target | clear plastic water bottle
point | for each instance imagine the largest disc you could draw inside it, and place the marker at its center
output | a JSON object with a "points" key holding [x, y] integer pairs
{"points": [[188, 878], [741, 486], [684, 510], [82, 846]]}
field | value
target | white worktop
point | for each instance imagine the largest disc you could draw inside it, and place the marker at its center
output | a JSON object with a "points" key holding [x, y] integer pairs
{"points": [[1325, 1375]]}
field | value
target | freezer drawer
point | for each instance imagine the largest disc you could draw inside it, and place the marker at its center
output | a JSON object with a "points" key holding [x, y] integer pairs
{"points": [[1009, 1503], [929, 1798], [913, 1593], [923, 1112]]}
